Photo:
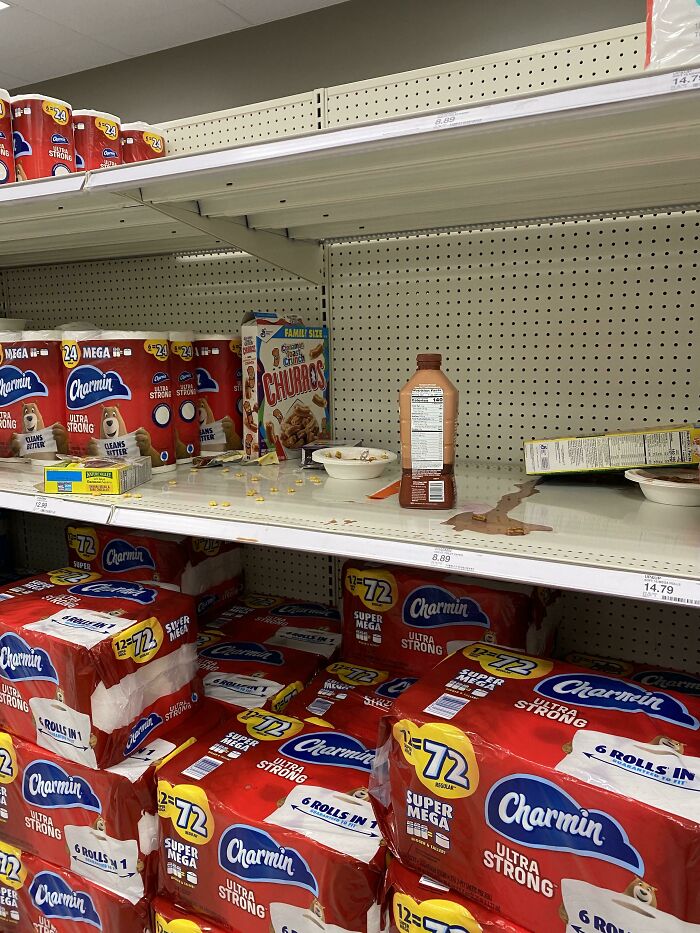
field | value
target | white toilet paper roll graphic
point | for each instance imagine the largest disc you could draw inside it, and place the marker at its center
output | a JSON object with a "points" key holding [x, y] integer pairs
{"points": [[340, 822], [109, 862], [590, 908], [287, 919], [240, 689], [657, 773]]}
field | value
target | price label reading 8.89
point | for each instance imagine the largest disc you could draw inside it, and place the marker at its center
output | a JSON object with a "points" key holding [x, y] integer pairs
{"points": [[447, 558]]}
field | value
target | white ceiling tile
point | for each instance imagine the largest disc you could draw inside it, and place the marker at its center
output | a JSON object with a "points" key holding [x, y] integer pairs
{"points": [[23, 33], [8, 81], [68, 57], [265, 11]]}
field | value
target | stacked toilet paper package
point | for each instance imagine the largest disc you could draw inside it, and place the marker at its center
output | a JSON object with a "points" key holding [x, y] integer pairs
{"points": [[264, 771]]}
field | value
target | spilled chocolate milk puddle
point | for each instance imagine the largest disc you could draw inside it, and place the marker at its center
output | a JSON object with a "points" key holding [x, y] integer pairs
{"points": [[496, 521]]}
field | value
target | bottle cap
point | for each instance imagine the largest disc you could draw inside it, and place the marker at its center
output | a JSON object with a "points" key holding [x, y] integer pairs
{"points": [[429, 358]]}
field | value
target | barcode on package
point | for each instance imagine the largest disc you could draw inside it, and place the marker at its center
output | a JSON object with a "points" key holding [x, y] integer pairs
{"points": [[446, 706], [199, 769], [319, 707], [436, 490]]}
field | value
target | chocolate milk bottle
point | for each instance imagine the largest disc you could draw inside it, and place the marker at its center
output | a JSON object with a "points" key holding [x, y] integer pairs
{"points": [[428, 404]]}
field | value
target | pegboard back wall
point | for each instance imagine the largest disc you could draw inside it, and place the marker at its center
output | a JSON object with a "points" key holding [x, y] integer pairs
{"points": [[205, 292], [548, 329]]}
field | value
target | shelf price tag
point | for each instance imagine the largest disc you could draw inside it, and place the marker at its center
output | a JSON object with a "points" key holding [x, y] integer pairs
{"points": [[44, 506], [686, 80], [447, 558], [671, 590]]}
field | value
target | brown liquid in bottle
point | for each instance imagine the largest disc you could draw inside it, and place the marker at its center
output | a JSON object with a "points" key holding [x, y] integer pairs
{"points": [[428, 404]]}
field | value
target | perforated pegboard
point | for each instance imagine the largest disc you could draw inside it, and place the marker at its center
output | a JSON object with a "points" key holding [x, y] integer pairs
{"points": [[546, 329], [615, 53], [270, 119], [202, 291]]}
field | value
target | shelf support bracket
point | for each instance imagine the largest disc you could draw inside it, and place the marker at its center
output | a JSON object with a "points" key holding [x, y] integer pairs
{"points": [[300, 257]]}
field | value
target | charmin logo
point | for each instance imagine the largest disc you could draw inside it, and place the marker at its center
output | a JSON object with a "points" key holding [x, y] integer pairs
{"points": [[87, 385], [309, 610], [393, 689], [186, 376], [116, 590], [120, 556], [243, 651], [19, 661], [159, 378], [535, 813], [59, 139], [599, 692], [434, 607], [47, 785], [254, 856], [109, 154], [55, 899], [205, 382], [334, 749], [670, 680], [16, 385], [205, 602], [143, 728]]}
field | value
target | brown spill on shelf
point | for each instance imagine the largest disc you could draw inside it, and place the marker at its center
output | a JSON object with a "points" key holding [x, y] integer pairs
{"points": [[496, 521]]}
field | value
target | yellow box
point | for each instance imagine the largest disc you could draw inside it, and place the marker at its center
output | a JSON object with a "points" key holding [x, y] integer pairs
{"points": [[665, 445], [96, 477]]}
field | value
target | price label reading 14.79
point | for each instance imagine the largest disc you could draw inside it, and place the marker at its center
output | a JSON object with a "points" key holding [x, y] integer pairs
{"points": [[671, 590]]}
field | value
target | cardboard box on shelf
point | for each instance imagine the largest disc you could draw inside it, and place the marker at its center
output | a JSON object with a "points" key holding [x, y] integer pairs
{"points": [[96, 476]]}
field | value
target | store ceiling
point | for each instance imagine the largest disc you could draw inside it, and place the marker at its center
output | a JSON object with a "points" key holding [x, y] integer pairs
{"points": [[42, 39]]}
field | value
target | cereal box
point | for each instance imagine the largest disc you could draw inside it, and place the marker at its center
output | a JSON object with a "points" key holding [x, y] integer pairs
{"points": [[266, 827], [285, 384], [562, 798]]}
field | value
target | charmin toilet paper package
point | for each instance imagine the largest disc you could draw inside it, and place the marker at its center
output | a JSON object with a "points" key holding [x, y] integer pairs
{"points": [[37, 896], [266, 827], [280, 622], [118, 395], [514, 779], [168, 918], [218, 368], [413, 903], [242, 672], [285, 388], [206, 568], [7, 155], [142, 142], [349, 697], [97, 140], [102, 825], [184, 378], [92, 669], [649, 675], [32, 407], [42, 133], [406, 620]]}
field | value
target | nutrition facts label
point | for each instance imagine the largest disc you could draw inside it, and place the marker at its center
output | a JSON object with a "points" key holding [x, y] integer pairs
{"points": [[427, 420]]}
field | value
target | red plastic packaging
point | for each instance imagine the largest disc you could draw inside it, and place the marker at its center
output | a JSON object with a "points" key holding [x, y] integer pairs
{"points": [[649, 675], [167, 918], [97, 140], [92, 669], [182, 370], [406, 621], [102, 825], [37, 896], [266, 826], [413, 903], [118, 395], [32, 401], [7, 155], [42, 132], [141, 142], [219, 405], [557, 796]]}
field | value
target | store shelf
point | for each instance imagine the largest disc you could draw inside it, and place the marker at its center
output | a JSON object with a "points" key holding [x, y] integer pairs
{"points": [[605, 538], [625, 145]]}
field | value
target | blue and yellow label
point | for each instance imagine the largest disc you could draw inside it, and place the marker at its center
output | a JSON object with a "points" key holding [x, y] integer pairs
{"points": [[12, 872], [437, 915], [83, 540], [8, 759], [57, 111], [375, 588], [187, 807], [269, 727], [70, 576], [158, 348], [510, 664], [108, 127], [356, 676], [441, 755], [156, 142]]}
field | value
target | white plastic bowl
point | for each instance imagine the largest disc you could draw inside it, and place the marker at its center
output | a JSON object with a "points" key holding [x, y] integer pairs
{"points": [[354, 462], [667, 492]]}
